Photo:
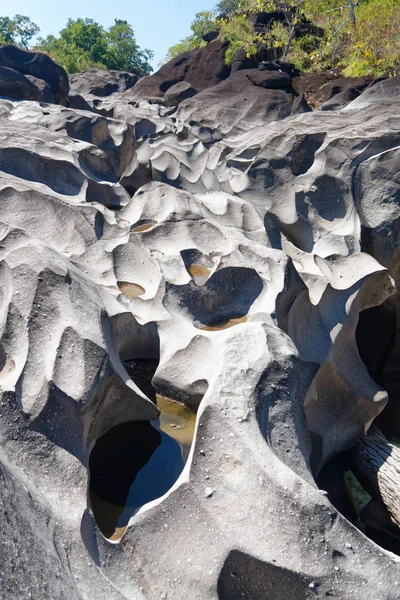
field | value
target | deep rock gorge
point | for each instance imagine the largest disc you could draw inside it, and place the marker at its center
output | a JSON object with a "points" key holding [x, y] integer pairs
{"points": [[247, 247]]}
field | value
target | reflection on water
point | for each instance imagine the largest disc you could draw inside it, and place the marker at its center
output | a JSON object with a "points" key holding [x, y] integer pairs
{"points": [[200, 273], [137, 462], [224, 324], [131, 290], [142, 226]]}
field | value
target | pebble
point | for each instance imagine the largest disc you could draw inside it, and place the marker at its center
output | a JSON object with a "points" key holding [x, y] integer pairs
{"points": [[208, 492], [349, 546]]}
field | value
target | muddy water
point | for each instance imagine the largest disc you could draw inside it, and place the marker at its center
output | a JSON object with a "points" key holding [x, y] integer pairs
{"points": [[199, 273], [144, 226], [138, 462], [131, 290], [224, 325]]}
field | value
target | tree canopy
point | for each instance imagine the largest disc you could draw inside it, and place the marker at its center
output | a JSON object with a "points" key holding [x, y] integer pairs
{"points": [[203, 22], [361, 37], [18, 30], [84, 44]]}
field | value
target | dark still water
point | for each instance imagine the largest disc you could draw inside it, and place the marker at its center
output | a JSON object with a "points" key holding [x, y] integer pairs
{"points": [[136, 463]]}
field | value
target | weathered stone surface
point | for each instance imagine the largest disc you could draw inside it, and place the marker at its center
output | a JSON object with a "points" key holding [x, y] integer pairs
{"points": [[388, 89], [294, 219], [179, 92], [98, 82], [341, 91], [271, 80], [239, 104], [16, 86], [202, 67], [44, 88]]}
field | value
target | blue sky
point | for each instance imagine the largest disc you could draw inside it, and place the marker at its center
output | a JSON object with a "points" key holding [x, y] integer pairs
{"points": [[158, 24]]}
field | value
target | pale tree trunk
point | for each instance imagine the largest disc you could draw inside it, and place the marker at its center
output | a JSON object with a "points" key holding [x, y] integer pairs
{"points": [[376, 464], [352, 6]]}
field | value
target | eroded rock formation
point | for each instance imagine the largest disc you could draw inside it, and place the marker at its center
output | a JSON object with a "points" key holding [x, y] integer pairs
{"points": [[235, 240]]}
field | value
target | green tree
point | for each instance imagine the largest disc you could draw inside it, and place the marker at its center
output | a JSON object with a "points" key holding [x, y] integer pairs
{"points": [[228, 7], [203, 23], [123, 52], [19, 30], [183, 46], [84, 44]]}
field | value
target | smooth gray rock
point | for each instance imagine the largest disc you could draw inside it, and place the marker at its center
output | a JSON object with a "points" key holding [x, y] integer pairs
{"points": [[39, 65], [179, 92], [99, 82], [388, 89], [16, 86]]}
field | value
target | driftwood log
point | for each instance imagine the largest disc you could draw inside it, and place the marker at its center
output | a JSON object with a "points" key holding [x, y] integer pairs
{"points": [[376, 464]]}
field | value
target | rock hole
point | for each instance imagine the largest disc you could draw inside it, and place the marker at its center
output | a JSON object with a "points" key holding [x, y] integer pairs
{"points": [[139, 461]]}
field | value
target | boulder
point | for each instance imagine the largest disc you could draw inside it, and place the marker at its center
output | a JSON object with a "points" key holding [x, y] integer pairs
{"points": [[16, 86], [99, 82], [321, 88], [37, 65], [271, 80], [279, 65], [202, 67], [241, 61], [179, 92], [44, 88], [210, 36]]}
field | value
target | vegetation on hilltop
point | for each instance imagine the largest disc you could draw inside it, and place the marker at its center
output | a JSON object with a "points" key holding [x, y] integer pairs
{"points": [[360, 37], [18, 30], [82, 44]]}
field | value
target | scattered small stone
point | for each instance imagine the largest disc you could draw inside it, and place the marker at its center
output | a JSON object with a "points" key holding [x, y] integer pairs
{"points": [[349, 546], [202, 452], [312, 585], [208, 492], [323, 493]]}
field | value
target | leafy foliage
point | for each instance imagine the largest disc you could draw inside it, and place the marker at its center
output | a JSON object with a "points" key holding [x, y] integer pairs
{"points": [[84, 44], [203, 23], [375, 45], [361, 36], [183, 46], [240, 34], [19, 30], [228, 7]]}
